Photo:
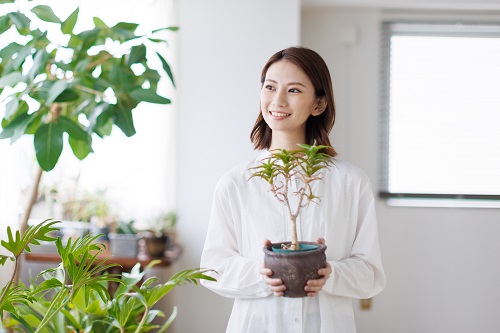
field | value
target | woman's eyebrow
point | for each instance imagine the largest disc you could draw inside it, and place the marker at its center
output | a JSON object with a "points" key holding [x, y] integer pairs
{"points": [[289, 83]]}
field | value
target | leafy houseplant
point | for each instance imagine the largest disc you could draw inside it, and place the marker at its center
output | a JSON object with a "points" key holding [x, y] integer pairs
{"points": [[301, 167], [73, 297], [81, 86]]}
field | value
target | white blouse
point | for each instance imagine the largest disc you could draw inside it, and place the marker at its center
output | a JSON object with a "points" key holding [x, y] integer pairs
{"points": [[245, 214]]}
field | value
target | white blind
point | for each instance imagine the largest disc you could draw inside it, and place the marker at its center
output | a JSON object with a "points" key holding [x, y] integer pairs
{"points": [[441, 109]]}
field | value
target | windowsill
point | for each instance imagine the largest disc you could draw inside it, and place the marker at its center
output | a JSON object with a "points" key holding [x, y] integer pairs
{"points": [[442, 203]]}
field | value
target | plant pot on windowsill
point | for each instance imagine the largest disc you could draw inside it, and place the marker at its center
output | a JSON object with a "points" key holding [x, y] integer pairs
{"points": [[295, 267], [123, 245], [156, 244]]}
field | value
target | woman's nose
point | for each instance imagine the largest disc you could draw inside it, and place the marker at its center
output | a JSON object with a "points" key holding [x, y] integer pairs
{"points": [[279, 99]]}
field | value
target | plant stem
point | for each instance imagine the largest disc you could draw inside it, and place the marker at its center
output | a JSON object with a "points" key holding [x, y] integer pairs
{"points": [[143, 320], [12, 279], [91, 91]]}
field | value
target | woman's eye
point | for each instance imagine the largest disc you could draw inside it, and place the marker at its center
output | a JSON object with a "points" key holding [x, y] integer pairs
{"points": [[268, 87], [293, 90]]}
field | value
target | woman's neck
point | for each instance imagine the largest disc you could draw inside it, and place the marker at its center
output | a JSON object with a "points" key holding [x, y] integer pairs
{"points": [[286, 141]]}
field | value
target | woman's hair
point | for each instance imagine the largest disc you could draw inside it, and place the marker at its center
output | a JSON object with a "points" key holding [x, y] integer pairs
{"points": [[317, 127]]}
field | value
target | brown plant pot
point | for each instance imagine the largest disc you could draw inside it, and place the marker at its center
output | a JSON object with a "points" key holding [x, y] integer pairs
{"points": [[295, 268], [155, 246]]}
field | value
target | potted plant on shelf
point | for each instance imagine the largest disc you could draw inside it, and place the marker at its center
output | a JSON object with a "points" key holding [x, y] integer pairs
{"points": [[123, 239], [159, 234], [292, 261], [82, 85], [74, 297]]}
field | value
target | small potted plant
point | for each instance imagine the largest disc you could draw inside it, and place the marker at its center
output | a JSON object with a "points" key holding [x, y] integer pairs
{"points": [[123, 240], [159, 235], [290, 173]]}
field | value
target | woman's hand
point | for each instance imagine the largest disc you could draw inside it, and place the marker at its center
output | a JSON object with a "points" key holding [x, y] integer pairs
{"points": [[275, 285], [314, 286]]}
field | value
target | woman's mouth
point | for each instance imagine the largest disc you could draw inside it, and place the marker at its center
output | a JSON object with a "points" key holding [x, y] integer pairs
{"points": [[279, 114]]}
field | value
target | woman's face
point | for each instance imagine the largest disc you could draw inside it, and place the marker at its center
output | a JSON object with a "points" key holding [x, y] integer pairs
{"points": [[287, 99]]}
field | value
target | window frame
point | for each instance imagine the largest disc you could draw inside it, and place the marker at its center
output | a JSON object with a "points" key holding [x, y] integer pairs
{"points": [[452, 27]]}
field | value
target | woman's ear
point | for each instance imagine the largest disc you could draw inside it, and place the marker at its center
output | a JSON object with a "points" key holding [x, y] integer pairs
{"points": [[320, 106]]}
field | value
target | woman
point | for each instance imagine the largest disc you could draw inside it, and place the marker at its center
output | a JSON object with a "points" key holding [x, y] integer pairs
{"points": [[296, 106]]}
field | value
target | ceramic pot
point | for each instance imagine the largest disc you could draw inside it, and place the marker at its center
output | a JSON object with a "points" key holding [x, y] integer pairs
{"points": [[155, 246], [295, 267]]}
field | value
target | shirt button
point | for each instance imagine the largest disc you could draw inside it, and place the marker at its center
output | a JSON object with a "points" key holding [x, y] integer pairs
{"points": [[297, 320]]}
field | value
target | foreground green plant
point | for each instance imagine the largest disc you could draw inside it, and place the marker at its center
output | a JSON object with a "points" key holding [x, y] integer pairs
{"points": [[301, 166], [74, 297]]}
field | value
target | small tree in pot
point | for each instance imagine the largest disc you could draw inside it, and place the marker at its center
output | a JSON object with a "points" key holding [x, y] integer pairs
{"points": [[294, 262]]}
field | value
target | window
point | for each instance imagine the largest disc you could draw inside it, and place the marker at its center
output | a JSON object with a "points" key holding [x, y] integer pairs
{"points": [[440, 110]]}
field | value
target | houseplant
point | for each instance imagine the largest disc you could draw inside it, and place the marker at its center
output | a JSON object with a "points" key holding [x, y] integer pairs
{"points": [[82, 85], [293, 261], [73, 296], [159, 234]]}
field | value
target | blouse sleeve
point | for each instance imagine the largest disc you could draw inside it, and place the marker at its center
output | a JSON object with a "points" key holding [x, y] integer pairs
{"points": [[237, 276], [361, 275]]}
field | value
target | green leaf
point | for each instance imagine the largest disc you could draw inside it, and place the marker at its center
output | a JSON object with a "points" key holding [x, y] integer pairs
{"points": [[16, 128], [81, 148], [173, 28], [67, 95], [11, 79], [21, 57], [5, 24], [126, 26], [48, 145], [7, 1], [99, 23], [39, 62], [167, 69], [69, 24], [72, 127], [124, 120], [45, 13], [10, 50], [55, 90], [137, 54], [20, 20], [148, 95], [11, 107]]}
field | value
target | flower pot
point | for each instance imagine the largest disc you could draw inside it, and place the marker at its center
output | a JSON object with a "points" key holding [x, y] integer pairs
{"points": [[295, 267], [155, 246], [123, 245]]}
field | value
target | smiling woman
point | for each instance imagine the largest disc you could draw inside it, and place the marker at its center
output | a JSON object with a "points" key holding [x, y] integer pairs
{"points": [[136, 171]]}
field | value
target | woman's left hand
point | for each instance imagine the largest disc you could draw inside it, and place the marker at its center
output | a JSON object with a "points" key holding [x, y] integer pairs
{"points": [[314, 286]]}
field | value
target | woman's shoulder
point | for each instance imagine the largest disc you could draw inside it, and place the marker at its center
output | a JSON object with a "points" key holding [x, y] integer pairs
{"points": [[348, 170]]}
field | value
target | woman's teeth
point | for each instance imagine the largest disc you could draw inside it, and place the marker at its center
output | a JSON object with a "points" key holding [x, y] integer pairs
{"points": [[279, 114]]}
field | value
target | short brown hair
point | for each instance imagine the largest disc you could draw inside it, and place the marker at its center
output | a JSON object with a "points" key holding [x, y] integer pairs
{"points": [[317, 127]]}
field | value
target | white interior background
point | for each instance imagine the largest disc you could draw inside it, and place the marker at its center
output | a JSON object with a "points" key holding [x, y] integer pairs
{"points": [[441, 263]]}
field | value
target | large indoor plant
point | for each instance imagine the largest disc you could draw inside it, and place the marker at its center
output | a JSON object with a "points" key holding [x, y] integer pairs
{"points": [[82, 84], [293, 261], [73, 297]]}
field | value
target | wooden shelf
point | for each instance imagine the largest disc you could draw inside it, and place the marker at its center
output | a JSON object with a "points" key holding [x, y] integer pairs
{"points": [[126, 263]]}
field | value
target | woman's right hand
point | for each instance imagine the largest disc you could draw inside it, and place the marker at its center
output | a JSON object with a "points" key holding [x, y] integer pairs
{"points": [[275, 285]]}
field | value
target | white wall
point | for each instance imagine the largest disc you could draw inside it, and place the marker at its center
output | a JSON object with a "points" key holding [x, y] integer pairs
{"points": [[223, 46], [442, 264]]}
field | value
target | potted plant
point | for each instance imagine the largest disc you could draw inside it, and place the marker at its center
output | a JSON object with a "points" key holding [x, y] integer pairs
{"points": [[82, 85], [159, 234], [123, 240], [73, 297], [290, 173]]}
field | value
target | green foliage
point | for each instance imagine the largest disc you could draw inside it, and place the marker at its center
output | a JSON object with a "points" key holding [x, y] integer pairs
{"points": [[95, 81], [74, 297], [302, 166]]}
